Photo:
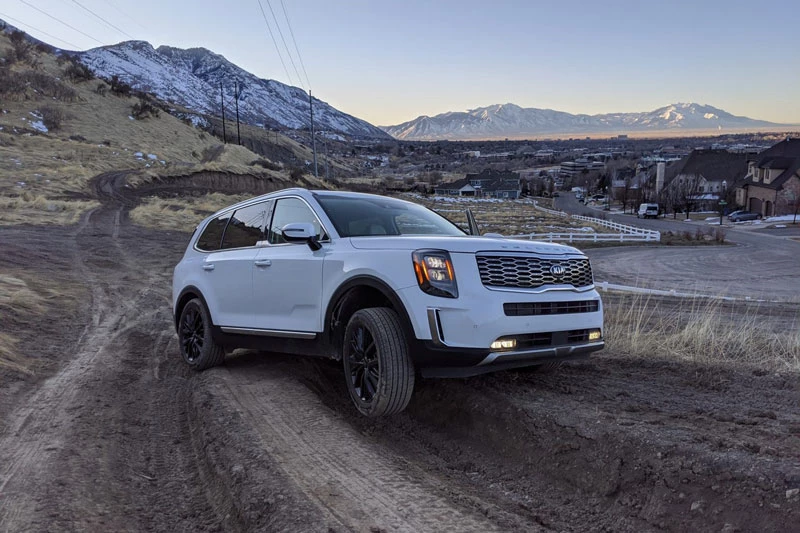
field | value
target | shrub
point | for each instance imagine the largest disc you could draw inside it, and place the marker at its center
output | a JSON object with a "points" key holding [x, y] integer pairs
{"points": [[143, 109], [77, 72], [20, 46], [101, 89], [52, 117], [296, 173], [265, 163], [119, 87]]}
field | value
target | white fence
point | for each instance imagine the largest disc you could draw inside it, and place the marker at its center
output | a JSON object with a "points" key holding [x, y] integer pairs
{"points": [[626, 233]]}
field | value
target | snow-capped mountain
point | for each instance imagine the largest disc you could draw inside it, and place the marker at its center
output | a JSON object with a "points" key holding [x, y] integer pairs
{"points": [[192, 78], [509, 120]]}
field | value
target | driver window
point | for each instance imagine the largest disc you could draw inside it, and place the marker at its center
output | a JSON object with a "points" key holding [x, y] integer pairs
{"points": [[288, 210]]}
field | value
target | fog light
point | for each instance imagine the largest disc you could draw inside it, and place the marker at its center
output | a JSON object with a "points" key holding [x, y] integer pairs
{"points": [[594, 335], [504, 344]]}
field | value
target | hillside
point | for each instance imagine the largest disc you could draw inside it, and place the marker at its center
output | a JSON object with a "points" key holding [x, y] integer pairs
{"points": [[193, 79], [60, 127], [512, 121]]}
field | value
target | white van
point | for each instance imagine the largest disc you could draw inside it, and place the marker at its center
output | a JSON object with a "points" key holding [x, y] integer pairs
{"points": [[647, 210]]}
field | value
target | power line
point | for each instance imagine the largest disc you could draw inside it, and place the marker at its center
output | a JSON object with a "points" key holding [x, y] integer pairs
{"points": [[124, 14], [288, 52], [289, 24], [123, 32], [61, 21], [274, 42], [6, 17]]}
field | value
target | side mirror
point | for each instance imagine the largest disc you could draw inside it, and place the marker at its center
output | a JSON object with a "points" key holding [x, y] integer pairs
{"points": [[301, 232]]}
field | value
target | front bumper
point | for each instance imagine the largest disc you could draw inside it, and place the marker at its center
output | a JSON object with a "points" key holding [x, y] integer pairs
{"points": [[435, 358]]}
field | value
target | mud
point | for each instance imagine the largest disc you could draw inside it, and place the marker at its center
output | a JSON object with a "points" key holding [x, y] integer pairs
{"points": [[113, 433]]}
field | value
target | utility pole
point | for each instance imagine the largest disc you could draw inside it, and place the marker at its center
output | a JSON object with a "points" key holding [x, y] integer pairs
{"points": [[313, 138], [222, 102], [325, 148], [236, 94]]}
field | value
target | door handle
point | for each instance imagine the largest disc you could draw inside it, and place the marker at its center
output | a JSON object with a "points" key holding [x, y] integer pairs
{"points": [[208, 267], [263, 263]]}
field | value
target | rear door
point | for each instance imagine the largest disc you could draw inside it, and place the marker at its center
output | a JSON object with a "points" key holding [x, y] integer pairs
{"points": [[231, 267], [287, 282]]}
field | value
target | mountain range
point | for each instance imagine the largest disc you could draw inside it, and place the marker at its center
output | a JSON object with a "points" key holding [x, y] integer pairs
{"points": [[192, 78], [512, 121]]}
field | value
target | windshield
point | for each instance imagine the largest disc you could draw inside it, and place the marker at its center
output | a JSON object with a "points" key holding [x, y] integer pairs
{"points": [[355, 216]]}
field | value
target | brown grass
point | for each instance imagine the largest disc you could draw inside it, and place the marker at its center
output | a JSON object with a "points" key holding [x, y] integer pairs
{"points": [[180, 214], [700, 330], [17, 298], [29, 208], [507, 217]]}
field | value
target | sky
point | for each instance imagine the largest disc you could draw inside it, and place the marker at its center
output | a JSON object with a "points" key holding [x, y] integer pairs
{"points": [[390, 62]]}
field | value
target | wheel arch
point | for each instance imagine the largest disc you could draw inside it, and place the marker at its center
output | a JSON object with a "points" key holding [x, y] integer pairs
{"points": [[187, 294], [357, 293]]}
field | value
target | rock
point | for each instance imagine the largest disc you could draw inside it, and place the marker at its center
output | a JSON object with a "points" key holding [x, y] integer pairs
{"points": [[697, 506], [792, 494]]}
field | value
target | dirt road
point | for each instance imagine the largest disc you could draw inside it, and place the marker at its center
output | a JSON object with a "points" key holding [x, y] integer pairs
{"points": [[115, 434]]}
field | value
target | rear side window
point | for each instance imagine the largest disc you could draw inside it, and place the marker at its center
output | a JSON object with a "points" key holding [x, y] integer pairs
{"points": [[246, 227], [211, 238]]}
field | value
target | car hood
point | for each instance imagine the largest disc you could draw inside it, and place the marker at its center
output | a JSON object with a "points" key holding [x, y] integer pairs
{"points": [[465, 244]]}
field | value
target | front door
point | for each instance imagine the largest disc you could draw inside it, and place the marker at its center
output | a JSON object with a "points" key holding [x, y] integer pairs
{"points": [[287, 281]]}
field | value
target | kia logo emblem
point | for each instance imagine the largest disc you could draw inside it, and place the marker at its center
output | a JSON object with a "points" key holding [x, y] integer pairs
{"points": [[558, 270]]}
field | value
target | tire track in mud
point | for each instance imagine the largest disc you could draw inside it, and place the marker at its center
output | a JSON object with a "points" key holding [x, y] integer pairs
{"points": [[359, 486], [76, 452]]}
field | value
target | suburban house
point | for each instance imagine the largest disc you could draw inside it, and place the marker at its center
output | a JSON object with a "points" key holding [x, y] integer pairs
{"points": [[772, 184], [487, 184], [703, 178]]}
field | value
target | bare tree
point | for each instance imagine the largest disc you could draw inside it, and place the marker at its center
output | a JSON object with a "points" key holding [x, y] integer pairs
{"points": [[683, 193]]}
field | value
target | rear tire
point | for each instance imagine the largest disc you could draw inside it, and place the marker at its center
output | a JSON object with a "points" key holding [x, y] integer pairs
{"points": [[196, 344], [378, 371]]}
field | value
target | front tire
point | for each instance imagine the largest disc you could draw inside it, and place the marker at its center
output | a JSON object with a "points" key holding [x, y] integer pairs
{"points": [[197, 346], [377, 368]]}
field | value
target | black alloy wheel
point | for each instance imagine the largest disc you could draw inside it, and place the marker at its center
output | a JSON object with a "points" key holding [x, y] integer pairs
{"points": [[194, 337], [363, 363]]}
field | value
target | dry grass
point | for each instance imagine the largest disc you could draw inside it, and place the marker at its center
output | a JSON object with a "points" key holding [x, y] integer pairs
{"points": [[703, 331], [17, 298], [180, 214], [507, 217], [24, 300], [31, 208]]}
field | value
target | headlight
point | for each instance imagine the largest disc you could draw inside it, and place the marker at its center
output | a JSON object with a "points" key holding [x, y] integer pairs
{"points": [[435, 273]]}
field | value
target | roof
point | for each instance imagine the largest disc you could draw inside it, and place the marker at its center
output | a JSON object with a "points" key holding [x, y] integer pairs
{"points": [[491, 180], [713, 165], [784, 155]]}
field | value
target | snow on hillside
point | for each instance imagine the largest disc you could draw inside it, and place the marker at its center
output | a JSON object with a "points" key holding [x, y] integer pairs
{"points": [[509, 120], [192, 78]]}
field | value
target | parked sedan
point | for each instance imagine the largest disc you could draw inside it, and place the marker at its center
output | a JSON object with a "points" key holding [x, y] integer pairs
{"points": [[741, 216]]}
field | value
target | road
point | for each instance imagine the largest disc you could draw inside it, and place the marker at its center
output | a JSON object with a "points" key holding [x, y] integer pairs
{"points": [[756, 265]]}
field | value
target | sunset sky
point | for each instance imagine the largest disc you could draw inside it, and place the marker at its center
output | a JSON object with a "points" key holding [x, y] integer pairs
{"points": [[389, 62]]}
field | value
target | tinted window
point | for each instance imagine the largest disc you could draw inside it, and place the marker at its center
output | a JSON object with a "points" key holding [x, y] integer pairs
{"points": [[359, 216], [288, 210], [246, 227], [212, 236]]}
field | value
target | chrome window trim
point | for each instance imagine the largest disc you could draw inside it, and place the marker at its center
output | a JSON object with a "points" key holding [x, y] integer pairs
{"points": [[260, 244]]}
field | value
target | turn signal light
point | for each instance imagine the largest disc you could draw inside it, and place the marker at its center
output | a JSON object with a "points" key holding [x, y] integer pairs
{"points": [[434, 272]]}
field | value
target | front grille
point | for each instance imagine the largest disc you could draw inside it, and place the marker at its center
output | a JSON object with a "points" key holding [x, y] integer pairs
{"points": [[532, 272], [533, 340], [550, 308]]}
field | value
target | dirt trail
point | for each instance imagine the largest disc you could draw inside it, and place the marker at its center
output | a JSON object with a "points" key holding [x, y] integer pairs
{"points": [[115, 434]]}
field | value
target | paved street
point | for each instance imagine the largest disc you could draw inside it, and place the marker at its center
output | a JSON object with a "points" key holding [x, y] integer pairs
{"points": [[758, 264]]}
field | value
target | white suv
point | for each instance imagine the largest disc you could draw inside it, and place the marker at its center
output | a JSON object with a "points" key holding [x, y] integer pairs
{"points": [[384, 285]]}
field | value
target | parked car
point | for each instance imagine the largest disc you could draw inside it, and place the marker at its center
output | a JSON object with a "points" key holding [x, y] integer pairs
{"points": [[647, 211], [741, 216], [383, 285]]}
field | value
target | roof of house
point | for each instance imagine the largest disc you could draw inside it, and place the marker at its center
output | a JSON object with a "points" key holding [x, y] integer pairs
{"points": [[713, 165], [784, 155], [492, 180]]}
